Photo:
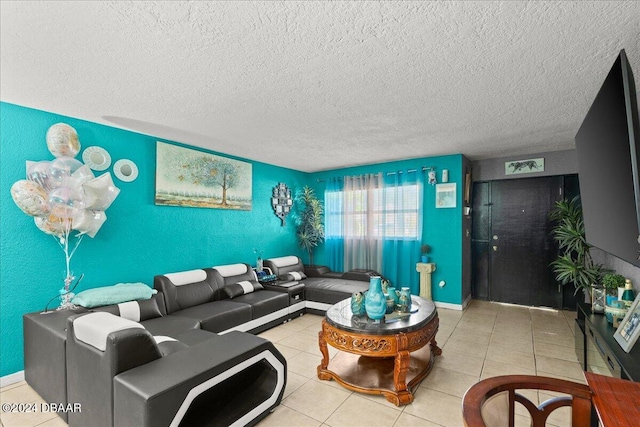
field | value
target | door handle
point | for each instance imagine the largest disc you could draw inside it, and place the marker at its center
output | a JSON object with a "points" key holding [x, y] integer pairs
{"points": [[495, 248]]}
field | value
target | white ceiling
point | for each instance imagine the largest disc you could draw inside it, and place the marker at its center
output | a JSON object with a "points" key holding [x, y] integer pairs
{"points": [[321, 85]]}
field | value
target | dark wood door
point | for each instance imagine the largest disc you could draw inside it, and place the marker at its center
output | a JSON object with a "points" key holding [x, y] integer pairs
{"points": [[512, 244]]}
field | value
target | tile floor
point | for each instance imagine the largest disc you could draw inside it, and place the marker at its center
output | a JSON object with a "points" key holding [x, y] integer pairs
{"points": [[485, 340]]}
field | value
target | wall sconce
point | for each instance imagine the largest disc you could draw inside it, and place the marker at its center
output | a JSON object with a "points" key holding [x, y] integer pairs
{"points": [[281, 201]]}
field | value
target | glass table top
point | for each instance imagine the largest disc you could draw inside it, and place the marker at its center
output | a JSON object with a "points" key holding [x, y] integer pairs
{"points": [[422, 312]]}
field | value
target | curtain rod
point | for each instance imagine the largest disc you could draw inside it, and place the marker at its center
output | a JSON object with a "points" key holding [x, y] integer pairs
{"points": [[424, 168]]}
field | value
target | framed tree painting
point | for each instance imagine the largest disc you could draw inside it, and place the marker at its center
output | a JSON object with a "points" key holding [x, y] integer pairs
{"points": [[186, 177]]}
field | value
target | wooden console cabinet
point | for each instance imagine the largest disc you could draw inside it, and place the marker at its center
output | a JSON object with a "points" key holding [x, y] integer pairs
{"points": [[598, 351]]}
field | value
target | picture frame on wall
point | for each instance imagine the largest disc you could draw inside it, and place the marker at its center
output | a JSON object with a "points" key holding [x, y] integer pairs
{"points": [[446, 195], [629, 329], [192, 178]]}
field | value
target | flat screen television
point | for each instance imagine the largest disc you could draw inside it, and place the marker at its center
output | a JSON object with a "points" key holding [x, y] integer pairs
{"points": [[608, 149]]}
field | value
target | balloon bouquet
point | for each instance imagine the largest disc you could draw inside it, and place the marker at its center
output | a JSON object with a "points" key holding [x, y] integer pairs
{"points": [[63, 196]]}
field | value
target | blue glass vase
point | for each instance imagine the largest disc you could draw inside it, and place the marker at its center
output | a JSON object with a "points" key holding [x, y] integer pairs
{"points": [[393, 293], [375, 303], [405, 299], [357, 304]]}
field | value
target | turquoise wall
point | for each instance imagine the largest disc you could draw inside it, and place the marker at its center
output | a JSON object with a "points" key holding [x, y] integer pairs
{"points": [[138, 240], [442, 228]]}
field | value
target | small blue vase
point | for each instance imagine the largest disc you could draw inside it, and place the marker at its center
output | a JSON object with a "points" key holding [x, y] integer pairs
{"points": [[405, 299], [375, 303], [357, 304], [394, 294], [391, 305]]}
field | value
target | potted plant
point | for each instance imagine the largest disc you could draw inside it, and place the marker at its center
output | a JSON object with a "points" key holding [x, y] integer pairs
{"points": [[574, 263], [424, 250], [310, 225], [612, 282]]}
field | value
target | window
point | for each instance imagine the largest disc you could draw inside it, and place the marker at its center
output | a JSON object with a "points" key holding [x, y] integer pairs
{"points": [[380, 213]]}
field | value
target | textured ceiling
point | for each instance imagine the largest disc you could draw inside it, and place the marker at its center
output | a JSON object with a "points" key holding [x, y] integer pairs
{"points": [[321, 85]]}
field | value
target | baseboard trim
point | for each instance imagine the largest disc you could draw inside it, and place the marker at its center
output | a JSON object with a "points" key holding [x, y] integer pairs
{"points": [[16, 377], [450, 306], [466, 301]]}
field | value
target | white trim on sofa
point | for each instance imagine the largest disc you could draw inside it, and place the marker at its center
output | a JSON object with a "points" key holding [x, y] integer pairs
{"points": [[297, 306], [252, 324], [318, 305], [249, 416]]}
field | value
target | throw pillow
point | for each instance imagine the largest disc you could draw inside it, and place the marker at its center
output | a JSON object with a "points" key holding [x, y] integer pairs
{"points": [[242, 288], [292, 275], [115, 294]]}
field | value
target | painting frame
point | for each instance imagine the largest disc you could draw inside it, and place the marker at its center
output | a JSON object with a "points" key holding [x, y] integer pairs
{"points": [[446, 195], [514, 167], [629, 329], [188, 177]]}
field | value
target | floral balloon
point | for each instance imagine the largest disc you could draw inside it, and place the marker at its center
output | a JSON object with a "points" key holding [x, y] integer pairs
{"points": [[53, 225], [30, 197], [62, 140]]}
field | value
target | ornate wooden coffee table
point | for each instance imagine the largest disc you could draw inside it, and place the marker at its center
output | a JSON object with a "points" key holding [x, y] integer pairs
{"points": [[390, 358]]}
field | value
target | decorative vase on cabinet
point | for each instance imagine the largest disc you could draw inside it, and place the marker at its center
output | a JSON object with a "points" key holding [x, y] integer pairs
{"points": [[375, 303]]}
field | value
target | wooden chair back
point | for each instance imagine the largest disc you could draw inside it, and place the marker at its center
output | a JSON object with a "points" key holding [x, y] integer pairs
{"points": [[491, 402]]}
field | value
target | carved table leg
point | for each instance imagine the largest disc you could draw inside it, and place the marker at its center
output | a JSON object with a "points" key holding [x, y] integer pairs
{"points": [[434, 347], [322, 343], [400, 369]]}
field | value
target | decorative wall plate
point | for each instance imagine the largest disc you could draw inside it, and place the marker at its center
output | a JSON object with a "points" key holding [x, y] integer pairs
{"points": [[125, 170], [96, 158]]}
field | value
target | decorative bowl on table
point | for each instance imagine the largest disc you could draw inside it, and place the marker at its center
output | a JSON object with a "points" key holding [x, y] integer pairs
{"points": [[615, 312]]}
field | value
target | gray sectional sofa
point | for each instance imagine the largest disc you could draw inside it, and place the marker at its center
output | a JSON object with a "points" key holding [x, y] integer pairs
{"points": [[207, 318]]}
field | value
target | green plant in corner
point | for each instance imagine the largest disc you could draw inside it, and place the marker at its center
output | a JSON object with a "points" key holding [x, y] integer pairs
{"points": [[310, 224], [574, 264]]}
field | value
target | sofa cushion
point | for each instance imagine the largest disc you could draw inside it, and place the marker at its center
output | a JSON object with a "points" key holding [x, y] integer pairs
{"points": [[134, 310], [187, 289], [115, 294], [218, 316], [291, 276], [264, 302], [195, 336], [284, 265], [242, 288], [331, 290], [171, 326]]}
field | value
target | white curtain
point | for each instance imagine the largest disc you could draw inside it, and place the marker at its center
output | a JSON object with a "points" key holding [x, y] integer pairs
{"points": [[361, 222]]}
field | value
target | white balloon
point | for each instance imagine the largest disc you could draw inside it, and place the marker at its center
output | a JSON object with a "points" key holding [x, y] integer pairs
{"points": [[89, 222], [62, 168], [40, 173], [100, 192], [66, 202], [79, 177]]}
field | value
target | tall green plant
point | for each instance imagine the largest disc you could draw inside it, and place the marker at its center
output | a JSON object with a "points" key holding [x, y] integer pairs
{"points": [[574, 264], [310, 224]]}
